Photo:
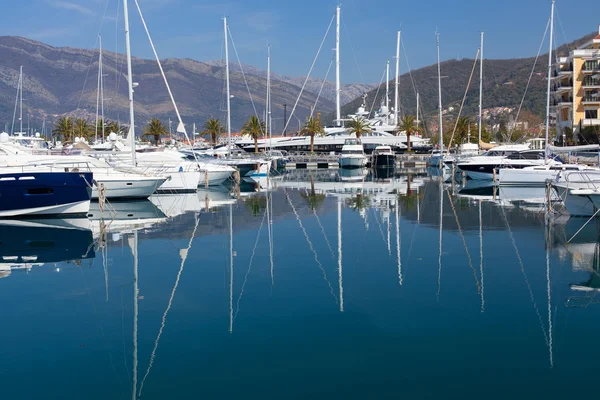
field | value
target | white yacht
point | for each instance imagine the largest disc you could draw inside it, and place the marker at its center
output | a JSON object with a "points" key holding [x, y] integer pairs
{"points": [[579, 192], [353, 154], [509, 156]]}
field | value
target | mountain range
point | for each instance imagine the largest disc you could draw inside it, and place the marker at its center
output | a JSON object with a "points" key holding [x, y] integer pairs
{"points": [[60, 81]]}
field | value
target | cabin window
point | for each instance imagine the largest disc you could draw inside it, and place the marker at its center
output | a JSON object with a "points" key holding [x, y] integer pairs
{"points": [[40, 191]]}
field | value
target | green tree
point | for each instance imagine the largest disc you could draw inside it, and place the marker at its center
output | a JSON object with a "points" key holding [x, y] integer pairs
{"points": [[155, 129], [408, 125], [82, 128], [63, 129], [213, 128], [255, 204], [359, 126], [312, 127], [358, 202], [114, 126], [254, 128], [313, 198]]}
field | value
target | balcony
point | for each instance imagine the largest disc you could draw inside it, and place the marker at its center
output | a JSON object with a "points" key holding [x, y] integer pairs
{"points": [[591, 68], [562, 88], [591, 82], [591, 98], [590, 122], [563, 102]]}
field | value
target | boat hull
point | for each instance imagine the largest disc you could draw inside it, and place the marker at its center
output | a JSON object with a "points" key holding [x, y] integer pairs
{"points": [[45, 193], [123, 188], [352, 162], [576, 205], [384, 161]]}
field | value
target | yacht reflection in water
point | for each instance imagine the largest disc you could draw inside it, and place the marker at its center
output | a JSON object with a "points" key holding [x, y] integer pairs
{"points": [[28, 244]]}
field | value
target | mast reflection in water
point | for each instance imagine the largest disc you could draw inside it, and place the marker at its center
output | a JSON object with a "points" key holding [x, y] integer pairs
{"points": [[307, 285]]}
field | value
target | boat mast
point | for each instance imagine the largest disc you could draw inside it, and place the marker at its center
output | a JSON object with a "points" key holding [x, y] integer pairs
{"points": [[417, 121], [98, 91], [129, 81], [480, 88], [549, 80], [268, 106], [387, 92], [227, 84], [101, 91], [441, 132], [338, 107], [396, 94], [21, 99]]}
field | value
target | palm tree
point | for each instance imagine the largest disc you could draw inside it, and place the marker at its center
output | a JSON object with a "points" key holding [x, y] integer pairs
{"points": [[407, 125], [214, 128], [359, 202], [63, 128], [155, 129], [254, 128], [464, 125], [312, 127], [82, 128], [313, 199], [359, 126], [113, 126]]}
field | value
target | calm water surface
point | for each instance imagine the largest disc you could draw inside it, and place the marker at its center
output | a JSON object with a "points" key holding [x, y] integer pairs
{"points": [[329, 288]]}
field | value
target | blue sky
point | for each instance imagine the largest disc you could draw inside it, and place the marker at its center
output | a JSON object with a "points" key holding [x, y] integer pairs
{"points": [[193, 29]]}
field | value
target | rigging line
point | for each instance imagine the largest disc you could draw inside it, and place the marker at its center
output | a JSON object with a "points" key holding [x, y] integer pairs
{"points": [[244, 76], [324, 234], [322, 85], [464, 97], [184, 255], [362, 80], [409, 69], [531, 76], [379, 225], [378, 90], [237, 308], [310, 244], [162, 72], [309, 72], [563, 32], [465, 244], [537, 311]]}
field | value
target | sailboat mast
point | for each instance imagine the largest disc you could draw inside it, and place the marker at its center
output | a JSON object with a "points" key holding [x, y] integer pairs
{"points": [[98, 92], [129, 81], [227, 84], [268, 106], [101, 91], [480, 87], [549, 79], [21, 99], [396, 94], [441, 133], [338, 106], [387, 92], [417, 121]]}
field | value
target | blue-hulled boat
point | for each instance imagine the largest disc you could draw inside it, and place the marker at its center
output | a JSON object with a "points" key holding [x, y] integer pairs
{"points": [[44, 193]]}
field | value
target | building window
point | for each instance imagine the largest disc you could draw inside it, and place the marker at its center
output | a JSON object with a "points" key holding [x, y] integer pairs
{"points": [[591, 114]]}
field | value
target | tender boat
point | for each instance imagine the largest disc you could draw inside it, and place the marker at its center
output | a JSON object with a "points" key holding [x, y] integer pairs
{"points": [[353, 154], [537, 175], [579, 192], [44, 193], [383, 157]]}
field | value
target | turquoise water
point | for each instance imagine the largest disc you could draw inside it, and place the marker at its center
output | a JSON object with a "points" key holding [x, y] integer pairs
{"points": [[391, 318]]}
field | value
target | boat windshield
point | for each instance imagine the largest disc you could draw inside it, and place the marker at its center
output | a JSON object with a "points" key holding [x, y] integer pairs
{"points": [[352, 142]]}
